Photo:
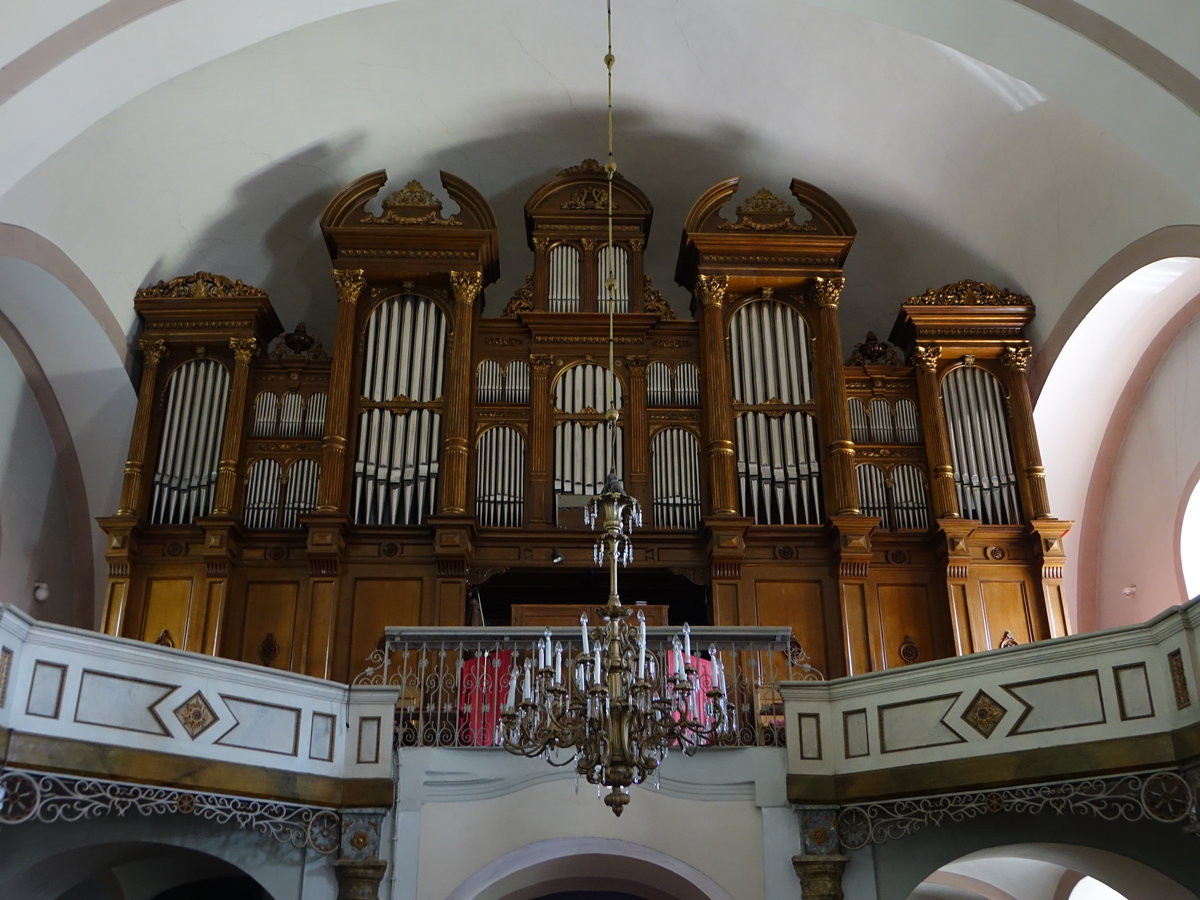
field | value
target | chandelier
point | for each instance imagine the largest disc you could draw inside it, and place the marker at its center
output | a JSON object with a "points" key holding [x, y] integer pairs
{"points": [[616, 708]]}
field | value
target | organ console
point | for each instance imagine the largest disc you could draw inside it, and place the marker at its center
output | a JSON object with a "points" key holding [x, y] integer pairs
{"points": [[282, 504]]}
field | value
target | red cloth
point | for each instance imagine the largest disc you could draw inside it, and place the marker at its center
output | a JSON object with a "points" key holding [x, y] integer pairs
{"points": [[482, 691]]}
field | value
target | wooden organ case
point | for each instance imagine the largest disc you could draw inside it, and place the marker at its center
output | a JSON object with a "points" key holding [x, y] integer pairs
{"points": [[282, 505]]}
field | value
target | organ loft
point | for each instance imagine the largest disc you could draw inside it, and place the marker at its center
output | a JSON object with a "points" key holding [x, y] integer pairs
{"points": [[282, 503]]}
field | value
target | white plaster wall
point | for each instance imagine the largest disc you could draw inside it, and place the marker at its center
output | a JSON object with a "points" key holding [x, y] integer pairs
{"points": [[1153, 471], [722, 839], [33, 516]]}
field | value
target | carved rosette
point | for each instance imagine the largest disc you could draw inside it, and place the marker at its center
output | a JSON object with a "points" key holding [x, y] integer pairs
{"points": [[827, 292], [1016, 357], [153, 351], [349, 284], [466, 286], [712, 288], [244, 349]]}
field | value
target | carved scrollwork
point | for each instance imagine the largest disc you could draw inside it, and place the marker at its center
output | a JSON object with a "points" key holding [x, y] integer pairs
{"points": [[411, 205], [969, 293], [200, 285], [590, 196], [763, 211], [522, 299], [653, 300]]}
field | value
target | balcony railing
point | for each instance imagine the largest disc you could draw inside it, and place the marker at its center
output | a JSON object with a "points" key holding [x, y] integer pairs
{"points": [[453, 682]]}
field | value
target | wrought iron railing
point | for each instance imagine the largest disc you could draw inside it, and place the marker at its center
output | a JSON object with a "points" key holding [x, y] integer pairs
{"points": [[454, 681]]}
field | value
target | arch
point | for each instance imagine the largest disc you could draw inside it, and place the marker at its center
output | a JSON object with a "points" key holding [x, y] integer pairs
{"points": [[1187, 535], [598, 863], [1133, 307], [85, 397]]}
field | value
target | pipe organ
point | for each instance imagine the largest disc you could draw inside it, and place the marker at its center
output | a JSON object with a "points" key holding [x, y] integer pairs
{"points": [[282, 504]]}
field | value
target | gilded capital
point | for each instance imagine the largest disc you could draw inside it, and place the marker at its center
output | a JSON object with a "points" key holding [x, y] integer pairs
{"points": [[926, 356], [589, 244], [349, 284], [541, 362], [712, 289], [827, 291], [153, 350], [637, 245], [541, 244], [636, 362], [244, 349], [466, 286], [1016, 357]]}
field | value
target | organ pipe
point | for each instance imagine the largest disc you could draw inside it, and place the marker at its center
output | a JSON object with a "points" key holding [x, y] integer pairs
{"points": [[675, 462], [564, 279], [500, 478], [193, 425], [984, 473]]}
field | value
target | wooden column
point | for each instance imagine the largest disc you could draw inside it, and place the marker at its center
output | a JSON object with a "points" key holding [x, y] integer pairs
{"points": [[540, 439], [541, 272], [244, 350], [456, 419], [637, 276], [350, 284], [937, 435], [636, 426], [132, 489], [718, 404], [1029, 456], [966, 613], [841, 489], [590, 277]]}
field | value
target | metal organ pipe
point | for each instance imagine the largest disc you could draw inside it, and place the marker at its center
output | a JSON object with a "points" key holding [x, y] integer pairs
{"points": [[314, 415], [564, 278], [675, 464], [981, 447], [266, 415], [908, 422], [193, 424], [500, 478], [619, 260], [396, 467], [582, 454]]}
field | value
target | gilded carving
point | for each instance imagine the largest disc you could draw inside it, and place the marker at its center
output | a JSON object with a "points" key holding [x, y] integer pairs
{"points": [[199, 285], [195, 715], [411, 205], [244, 349], [522, 300], [712, 289], [1016, 357], [298, 343], [588, 165], [589, 244], [983, 714], [466, 286], [349, 284], [1183, 698], [763, 211], [926, 356], [671, 343], [826, 292], [637, 245], [873, 352], [653, 300], [153, 351], [591, 196], [541, 361], [541, 244], [969, 293]]}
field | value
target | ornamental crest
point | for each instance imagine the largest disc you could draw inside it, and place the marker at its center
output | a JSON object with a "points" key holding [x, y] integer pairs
{"points": [[766, 212], [969, 293], [199, 286], [412, 205]]}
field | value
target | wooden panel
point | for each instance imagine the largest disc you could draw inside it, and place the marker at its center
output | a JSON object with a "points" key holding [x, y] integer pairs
{"points": [[1005, 608], [167, 607], [857, 636], [270, 610], [798, 604], [378, 603], [566, 615], [904, 613]]}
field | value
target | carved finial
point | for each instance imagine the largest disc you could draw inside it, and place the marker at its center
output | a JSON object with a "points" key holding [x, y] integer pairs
{"points": [[873, 352], [466, 286], [712, 289], [826, 292], [298, 343], [349, 284], [926, 356]]}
